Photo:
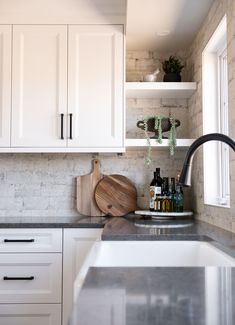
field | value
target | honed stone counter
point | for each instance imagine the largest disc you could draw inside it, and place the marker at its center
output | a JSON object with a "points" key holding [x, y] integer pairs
{"points": [[53, 222], [139, 228], [157, 296]]}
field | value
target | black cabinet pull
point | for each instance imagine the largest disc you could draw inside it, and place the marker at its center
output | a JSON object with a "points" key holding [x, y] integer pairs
{"points": [[19, 240], [62, 126], [6, 278], [70, 126]]}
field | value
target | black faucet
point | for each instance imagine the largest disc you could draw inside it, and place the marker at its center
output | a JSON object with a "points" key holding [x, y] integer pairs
{"points": [[185, 176]]}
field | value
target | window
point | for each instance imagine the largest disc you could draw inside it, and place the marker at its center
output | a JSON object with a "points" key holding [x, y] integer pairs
{"points": [[215, 118], [224, 197]]}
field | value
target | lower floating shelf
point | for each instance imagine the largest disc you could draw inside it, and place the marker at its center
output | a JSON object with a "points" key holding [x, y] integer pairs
{"points": [[142, 143]]}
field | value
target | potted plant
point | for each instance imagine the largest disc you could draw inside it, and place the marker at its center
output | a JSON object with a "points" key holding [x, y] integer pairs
{"points": [[158, 125], [172, 68]]}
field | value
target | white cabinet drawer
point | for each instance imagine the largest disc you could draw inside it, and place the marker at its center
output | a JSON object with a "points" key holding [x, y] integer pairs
{"points": [[30, 240], [30, 278], [30, 314]]}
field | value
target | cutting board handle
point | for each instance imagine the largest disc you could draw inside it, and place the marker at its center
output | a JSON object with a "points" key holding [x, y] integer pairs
{"points": [[96, 165], [86, 185]]}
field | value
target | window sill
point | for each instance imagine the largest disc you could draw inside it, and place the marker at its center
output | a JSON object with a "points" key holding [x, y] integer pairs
{"points": [[217, 205]]}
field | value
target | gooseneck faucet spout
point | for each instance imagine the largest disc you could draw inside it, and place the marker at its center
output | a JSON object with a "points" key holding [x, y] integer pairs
{"points": [[185, 176]]}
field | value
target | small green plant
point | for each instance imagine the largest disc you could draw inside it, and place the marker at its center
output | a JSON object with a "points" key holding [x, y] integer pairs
{"points": [[172, 65]]}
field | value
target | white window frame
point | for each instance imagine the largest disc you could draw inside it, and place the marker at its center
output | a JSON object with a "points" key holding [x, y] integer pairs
{"points": [[215, 118], [224, 184]]}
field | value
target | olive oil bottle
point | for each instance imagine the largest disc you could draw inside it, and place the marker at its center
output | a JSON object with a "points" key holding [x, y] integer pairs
{"points": [[166, 202]]}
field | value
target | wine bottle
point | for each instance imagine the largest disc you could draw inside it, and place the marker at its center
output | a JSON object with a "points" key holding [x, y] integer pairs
{"points": [[158, 191], [152, 192]]}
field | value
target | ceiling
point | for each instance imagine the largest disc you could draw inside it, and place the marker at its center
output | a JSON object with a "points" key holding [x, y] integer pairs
{"points": [[148, 19]]}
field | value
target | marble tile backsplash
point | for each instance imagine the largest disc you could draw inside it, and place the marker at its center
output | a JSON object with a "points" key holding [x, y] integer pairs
{"points": [[138, 109], [44, 184]]}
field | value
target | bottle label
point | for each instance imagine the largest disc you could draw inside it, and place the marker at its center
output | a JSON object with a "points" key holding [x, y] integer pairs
{"points": [[152, 193], [151, 204], [158, 190], [157, 206]]}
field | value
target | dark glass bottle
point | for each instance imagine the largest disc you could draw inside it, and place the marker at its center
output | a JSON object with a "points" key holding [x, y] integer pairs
{"points": [[179, 199], [172, 192], [155, 189], [152, 192], [166, 203], [158, 191]]}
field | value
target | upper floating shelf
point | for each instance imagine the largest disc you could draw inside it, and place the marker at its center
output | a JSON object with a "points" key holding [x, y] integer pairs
{"points": [[160, 89]]}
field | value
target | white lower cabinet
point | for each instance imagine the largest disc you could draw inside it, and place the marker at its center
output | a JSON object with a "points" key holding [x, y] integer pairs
{"points": [[32, 290], [32, 314], [30, 276], [77, 243]]}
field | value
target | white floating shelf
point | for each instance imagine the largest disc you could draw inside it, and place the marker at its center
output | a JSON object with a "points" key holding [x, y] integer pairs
{"points": [[142, 143], [160, 89]]}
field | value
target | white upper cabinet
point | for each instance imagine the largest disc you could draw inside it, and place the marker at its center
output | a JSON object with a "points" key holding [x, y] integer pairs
{"points": [[39, 85], [62, 102], [95, 87], [5, 85]]}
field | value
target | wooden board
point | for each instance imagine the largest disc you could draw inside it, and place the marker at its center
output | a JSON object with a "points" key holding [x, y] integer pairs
{"points": [[86, 184], [116, 195]]}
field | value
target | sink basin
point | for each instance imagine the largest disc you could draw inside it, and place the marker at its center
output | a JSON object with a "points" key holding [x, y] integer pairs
{"points": [[152, 254], [157, 253]]}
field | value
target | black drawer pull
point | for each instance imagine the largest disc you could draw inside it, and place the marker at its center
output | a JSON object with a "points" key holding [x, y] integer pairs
{"points": [[6, 278], [62, 126], [71, 126], [19, 240]]}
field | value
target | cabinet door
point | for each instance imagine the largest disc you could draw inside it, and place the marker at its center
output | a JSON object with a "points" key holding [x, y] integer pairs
{"points": [[77, 243], [5, 85], [95, 80], [35, 314], [39, 85]]}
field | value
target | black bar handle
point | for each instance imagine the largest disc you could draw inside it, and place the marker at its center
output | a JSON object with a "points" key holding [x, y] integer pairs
{"points": [[8, 278], [70, 126], [19, 240], [62, 126]]}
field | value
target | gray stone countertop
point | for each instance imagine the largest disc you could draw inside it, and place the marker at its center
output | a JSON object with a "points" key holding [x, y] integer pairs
{"points": [[53, 222], [157, 296], [139, 228]]}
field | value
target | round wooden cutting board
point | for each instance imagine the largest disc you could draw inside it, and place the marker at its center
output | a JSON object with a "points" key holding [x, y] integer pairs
{"points": [[116, 195]]}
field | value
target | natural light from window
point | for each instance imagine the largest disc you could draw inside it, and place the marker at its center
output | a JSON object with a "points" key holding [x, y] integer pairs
{"points": [[215, 118]]}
